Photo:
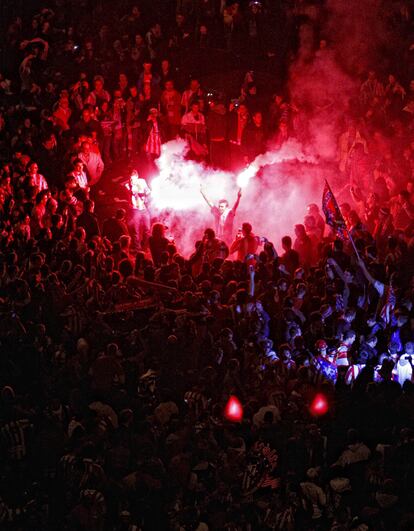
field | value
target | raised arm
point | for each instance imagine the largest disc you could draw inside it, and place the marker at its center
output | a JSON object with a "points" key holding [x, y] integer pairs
{"points": [[341, 275], [205, 197], [367, 274], [337, 268], [236, 204]]}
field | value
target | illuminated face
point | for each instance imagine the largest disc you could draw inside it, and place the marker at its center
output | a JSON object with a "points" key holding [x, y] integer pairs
{"points": [[98, 85], [243, 110], [33, 169], [257, 118], [194, 85], [86, 148], [222, 206]]}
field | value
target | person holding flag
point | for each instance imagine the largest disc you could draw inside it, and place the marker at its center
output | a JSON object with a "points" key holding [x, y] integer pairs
{"points": [[334, 217]]}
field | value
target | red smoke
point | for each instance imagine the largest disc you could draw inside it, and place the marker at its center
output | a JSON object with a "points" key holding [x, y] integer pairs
{"points": [[276, 188]]}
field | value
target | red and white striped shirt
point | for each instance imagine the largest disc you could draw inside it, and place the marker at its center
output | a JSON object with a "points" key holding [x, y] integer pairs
{"points": [[153, 145]]}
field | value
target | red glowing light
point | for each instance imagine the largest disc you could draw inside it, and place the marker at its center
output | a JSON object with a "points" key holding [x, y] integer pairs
{"points": [[319, 405], [233, 410]]}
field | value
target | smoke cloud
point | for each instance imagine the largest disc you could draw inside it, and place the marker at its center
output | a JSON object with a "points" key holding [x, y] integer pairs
{"points": [[278, 186]]}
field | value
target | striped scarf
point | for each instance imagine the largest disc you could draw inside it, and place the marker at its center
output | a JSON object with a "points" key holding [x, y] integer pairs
{"points": [[342, 355], [259, 473], [353, 372], [390, 301], [153, 145]]}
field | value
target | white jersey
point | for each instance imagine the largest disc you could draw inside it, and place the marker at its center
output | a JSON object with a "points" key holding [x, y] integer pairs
{"points": [[139, 193]]}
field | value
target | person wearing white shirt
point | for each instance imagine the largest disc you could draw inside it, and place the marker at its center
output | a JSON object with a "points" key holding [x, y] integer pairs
{"points": [[79, 174], [37, 179], [140, 219], [93, 163]]}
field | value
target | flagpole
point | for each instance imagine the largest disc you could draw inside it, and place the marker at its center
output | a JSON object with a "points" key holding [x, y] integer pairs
{"points": [[345, 225]]}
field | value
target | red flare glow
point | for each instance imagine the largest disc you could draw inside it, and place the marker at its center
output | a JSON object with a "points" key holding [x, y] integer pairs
{"points": [[233, 410], [319, 405]]}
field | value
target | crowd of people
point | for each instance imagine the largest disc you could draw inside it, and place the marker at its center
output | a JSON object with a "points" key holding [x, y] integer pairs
{"points": [[118, 354]]}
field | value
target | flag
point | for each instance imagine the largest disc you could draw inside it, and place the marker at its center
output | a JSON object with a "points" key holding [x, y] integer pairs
{"points": [[332, 213]]}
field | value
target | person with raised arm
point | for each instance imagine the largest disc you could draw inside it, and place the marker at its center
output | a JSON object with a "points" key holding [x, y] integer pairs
{"points": [[386, 293], [223, 216]]}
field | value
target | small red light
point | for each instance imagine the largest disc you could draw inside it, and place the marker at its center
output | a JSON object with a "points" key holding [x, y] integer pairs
{"points": [[233, 410], [319, 405]]}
